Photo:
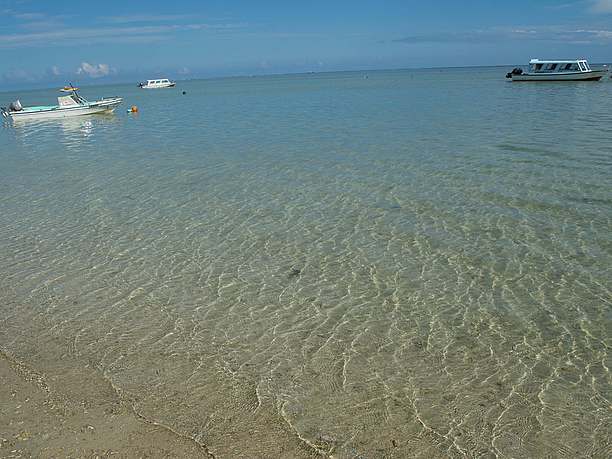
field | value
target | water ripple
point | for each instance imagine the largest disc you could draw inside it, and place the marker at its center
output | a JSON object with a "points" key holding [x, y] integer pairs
{"points": [[312, 267]]}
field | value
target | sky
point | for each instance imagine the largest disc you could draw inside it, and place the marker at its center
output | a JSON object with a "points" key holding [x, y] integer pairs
{"points": [[44, 42]]}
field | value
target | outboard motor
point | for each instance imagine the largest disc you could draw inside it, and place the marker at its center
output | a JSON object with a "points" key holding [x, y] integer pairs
{"points": [[515, 71], [15, 106]]}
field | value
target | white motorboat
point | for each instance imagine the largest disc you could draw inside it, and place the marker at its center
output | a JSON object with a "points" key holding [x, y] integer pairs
{"points": [[157, 84], [71, 105], [576, 70]]}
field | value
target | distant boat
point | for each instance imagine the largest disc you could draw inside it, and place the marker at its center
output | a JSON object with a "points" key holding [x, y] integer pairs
{"points": [[576, 70], [157, 84], [72, 105]]}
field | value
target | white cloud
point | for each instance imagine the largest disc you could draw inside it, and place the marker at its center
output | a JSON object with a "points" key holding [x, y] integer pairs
{"points": [[602, 6], [29, 16], [145, 18], [90, 35], [94, 70], [55, 71], [17, 75], [38, 26], [552, 34]]}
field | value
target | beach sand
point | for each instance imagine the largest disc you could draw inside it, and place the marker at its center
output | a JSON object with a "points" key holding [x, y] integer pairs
{"points": [[77, 415]]}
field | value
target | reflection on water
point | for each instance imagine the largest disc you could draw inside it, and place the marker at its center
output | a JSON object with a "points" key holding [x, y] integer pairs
{"points": [[413, 264], [73, 133], [76, 130]]}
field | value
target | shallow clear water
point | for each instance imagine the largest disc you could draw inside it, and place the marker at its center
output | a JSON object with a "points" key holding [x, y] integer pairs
{"points": [[452, 232]]}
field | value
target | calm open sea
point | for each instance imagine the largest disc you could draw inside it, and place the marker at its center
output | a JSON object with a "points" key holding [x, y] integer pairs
{"points": [[380, 264]]}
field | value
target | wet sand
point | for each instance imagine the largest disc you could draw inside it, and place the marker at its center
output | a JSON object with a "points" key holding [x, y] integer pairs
{"points": [[77, 413]]}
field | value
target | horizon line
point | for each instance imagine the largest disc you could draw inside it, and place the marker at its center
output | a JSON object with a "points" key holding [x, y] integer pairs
{"points": [[256, 75]]}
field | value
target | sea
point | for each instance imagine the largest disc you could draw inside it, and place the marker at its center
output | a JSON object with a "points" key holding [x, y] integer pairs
{"points": [[374, 264]]}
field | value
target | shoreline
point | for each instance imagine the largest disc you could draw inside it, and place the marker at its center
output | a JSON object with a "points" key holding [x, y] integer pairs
{"points": [[71, 416]]}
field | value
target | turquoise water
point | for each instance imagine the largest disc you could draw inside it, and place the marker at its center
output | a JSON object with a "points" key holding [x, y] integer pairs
{"points": [[390, 264]]}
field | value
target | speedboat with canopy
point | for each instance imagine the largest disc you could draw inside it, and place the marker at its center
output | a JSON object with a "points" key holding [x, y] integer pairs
{"points": [[572, 70], [157, 84], [70, 105]]}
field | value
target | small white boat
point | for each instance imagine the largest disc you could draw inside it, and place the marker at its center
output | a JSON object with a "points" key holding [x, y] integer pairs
{"points": [[72, 105], [576, 70], [157, 84]]}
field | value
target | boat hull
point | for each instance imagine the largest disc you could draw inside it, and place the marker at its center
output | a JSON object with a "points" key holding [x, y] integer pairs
{"points": [[93, 108], [160, 86], [594, 75]]}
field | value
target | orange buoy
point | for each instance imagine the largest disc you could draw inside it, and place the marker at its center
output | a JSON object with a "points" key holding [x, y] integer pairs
{"points": [[133, 109]]}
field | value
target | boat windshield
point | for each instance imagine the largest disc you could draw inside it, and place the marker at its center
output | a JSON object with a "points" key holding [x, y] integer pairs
{"points": [[157, 82], [71, 100]]}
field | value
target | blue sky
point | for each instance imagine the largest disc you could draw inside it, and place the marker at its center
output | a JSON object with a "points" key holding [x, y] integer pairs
{"points": [[44, 42]]}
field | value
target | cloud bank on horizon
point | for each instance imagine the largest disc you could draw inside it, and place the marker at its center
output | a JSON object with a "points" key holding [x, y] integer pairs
{"points": [[602, 6], [94, 70], [48, 42]]}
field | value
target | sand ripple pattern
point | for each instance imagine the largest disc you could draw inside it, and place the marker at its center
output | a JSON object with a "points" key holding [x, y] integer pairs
{"points": [[327, 265]]}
